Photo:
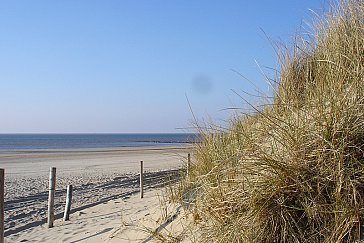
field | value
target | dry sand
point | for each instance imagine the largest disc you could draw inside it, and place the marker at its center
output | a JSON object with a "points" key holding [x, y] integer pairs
{"points": [[128, 219], [105, 181]]}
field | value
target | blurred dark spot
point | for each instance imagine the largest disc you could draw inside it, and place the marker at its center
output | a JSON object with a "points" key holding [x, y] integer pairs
{"points": [[202, 84]]}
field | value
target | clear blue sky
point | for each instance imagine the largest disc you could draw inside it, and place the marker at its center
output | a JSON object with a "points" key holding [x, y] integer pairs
{"points": [[126, 66]]}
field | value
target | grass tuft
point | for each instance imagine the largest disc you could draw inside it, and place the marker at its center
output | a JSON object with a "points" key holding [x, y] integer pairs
{"points": [[293, 171]]}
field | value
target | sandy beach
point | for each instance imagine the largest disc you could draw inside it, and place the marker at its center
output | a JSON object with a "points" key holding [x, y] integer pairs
{"points": [[100, 177]]}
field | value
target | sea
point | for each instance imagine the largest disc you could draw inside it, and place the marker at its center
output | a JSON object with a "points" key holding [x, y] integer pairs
{"points": [[15, 142]]}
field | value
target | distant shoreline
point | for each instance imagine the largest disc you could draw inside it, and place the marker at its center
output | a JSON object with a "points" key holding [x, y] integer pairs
{"points": [[97, 150], [48, 143]]}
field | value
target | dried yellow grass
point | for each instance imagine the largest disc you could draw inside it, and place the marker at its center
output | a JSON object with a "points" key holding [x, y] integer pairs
{"points": [[294, 171]]}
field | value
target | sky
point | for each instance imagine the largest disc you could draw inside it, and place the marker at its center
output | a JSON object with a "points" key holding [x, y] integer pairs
{"points": [[136, 66]]}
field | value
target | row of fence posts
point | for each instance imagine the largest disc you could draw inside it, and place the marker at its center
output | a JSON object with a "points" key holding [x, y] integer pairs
{"points": [[52, 189]]}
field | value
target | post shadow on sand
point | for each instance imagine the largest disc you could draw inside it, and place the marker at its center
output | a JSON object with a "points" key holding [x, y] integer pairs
{"points": [[90, 236], [151, 180]]}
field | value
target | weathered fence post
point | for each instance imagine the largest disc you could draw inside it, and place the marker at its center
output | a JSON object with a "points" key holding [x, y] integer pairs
{"points": [[67, 209], [2, 193], [188, 163], [141, 179], [52, 188]]}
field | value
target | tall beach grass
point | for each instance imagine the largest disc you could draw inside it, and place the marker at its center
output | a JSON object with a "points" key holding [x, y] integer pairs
{"points": [[294, 170]]}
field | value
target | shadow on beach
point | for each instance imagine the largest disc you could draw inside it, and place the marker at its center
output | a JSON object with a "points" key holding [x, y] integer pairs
{"points": [[31, 211]]}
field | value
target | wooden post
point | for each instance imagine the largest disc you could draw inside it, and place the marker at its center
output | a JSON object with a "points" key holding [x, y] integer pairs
{"points": [[188, 163], [52, 188], [67, 209], [141, 179], [2, 193]]}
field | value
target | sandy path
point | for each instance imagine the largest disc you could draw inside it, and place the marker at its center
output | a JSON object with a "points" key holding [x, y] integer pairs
{"points": [[96, 175], [122, 220]]}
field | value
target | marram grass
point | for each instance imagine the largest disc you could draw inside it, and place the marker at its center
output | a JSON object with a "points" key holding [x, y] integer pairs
{"points": [[294, 171]]}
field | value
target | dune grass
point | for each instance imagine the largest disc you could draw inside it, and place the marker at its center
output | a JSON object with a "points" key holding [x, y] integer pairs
{"points": [[294, 170]]}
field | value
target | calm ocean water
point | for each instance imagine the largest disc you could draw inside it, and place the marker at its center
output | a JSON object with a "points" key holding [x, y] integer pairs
{"points": [[83, 141]]}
